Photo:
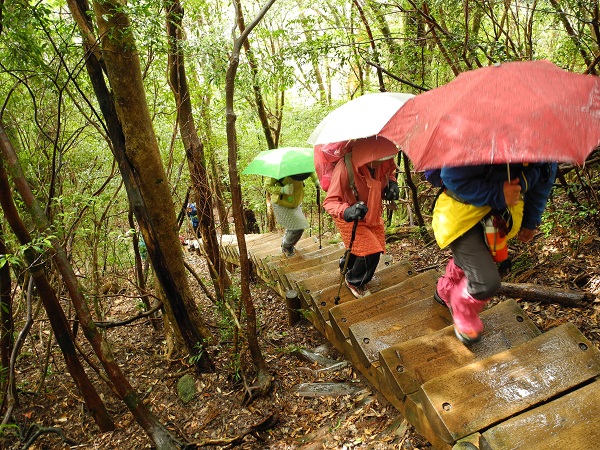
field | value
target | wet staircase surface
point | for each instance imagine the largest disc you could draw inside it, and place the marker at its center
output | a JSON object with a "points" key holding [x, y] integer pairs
{"points": [[517, 388]]}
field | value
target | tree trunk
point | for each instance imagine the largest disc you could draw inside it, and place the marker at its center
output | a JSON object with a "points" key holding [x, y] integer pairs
{"points": [[54, 311], [573, 35], [141, 167], [264, 378], [258, 97], [6, 322], [194, 148], [374, 49]]}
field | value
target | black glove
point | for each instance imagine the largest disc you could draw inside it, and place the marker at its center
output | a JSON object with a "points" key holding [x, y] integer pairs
{"points": [[355, 212], [391, 191]]}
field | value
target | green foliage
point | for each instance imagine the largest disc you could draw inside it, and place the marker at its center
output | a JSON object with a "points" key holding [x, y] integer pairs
{"points": [[9, 429], [290, 349], [198, 353], [225, 321]]}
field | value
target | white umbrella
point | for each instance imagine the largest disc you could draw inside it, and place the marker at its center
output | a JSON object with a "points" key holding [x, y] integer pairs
{"points": [[362, 117]]}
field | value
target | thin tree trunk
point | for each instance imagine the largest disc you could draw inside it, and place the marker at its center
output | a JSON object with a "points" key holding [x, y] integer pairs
{"points": [[573, 35], [55, 314], [6, 322], [258, 97], [314, 61], [263, 375], [139, 272], [193, 147], [363, 17]]}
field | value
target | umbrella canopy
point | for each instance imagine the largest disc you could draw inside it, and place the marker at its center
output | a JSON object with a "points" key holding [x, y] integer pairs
{"points": [[529, 111], [359, 118], [282, 162]]}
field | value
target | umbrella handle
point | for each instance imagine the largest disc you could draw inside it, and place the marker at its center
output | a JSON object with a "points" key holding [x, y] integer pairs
{"points": [[319, 213]]}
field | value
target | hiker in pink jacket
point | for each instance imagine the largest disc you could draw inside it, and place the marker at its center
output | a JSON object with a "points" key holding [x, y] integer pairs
{"points": [[372, 166]]}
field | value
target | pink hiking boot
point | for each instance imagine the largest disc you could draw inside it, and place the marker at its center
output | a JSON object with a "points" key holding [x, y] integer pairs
{"points": [[465, 310], [452, 292]]}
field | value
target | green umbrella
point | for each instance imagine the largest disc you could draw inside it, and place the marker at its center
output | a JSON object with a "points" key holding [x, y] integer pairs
{"points": [[282, 162]]}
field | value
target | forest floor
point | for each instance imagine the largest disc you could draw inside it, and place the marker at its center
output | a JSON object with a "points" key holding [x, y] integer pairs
{"points": [[569, 258]]}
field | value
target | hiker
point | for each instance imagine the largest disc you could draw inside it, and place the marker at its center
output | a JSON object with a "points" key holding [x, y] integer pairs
{"points": [[360, 182], [192, 213], [286, 196], [471, 195]]}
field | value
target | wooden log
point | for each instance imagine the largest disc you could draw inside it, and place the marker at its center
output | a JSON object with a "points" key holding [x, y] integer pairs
{"points": [[545, 294], [292, 302]]}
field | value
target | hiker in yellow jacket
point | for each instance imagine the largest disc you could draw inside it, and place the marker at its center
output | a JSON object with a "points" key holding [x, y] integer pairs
{"points": [[286, 196], [513, 199]]}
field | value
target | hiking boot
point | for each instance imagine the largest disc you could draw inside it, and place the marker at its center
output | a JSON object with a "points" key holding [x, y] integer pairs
{"points": [[288, 252], [465, 310], [440, 300], [358, 291]]}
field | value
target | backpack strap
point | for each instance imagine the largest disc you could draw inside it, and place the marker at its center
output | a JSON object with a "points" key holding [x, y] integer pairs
{"points": [[350, 169]]}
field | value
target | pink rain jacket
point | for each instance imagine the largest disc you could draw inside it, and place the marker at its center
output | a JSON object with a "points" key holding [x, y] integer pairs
{"points": [[370, 233]]}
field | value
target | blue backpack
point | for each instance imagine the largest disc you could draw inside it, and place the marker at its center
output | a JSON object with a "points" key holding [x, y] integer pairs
{"points": [[434, 177]]}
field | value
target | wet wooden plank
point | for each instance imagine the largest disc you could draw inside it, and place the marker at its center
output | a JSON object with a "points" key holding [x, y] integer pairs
{"points": [[386, 277], [476, 396], [410, 364], [569, 422], [314, 280], [344, 315], [281, 270], [418, 315], [271, 250]]}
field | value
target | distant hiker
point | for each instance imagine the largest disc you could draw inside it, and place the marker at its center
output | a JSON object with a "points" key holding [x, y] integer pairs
{"points": [[474, 194], [287, 195], [359, 184], [250, 223], [192, 213]]}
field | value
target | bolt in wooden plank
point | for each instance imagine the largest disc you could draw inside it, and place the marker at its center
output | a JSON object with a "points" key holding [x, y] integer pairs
{"points": [[416, 287], [568, 422], [417, 317], [476, 396], [410, 364]]}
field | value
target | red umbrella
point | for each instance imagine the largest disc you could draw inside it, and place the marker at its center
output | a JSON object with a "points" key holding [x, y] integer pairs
{"points": [[527, 111]]}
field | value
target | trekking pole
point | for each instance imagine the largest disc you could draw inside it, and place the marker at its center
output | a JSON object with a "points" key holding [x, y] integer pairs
{"points": [[346, 258]]}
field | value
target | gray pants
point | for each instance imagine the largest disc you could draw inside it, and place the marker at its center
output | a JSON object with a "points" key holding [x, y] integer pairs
{"points": [[473, 256], [290, 238]]}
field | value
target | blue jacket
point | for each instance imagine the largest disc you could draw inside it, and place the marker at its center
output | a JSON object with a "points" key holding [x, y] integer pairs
{"points": [[483, 186]]}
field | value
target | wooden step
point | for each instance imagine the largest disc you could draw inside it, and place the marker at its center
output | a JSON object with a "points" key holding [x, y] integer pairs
{"points": [[349, 313], [568, 422], [279, 269], [229, 245], [318, 278], [385, 276], [282, 269], [410, 364], [271, 250], [419, 315], [489, 391]]}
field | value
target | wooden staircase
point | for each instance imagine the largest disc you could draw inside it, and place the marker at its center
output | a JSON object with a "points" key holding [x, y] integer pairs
{"points": [[518, 388]]}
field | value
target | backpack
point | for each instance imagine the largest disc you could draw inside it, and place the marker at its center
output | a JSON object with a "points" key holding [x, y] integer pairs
{"points": [[434, 177], [326, 157]]}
